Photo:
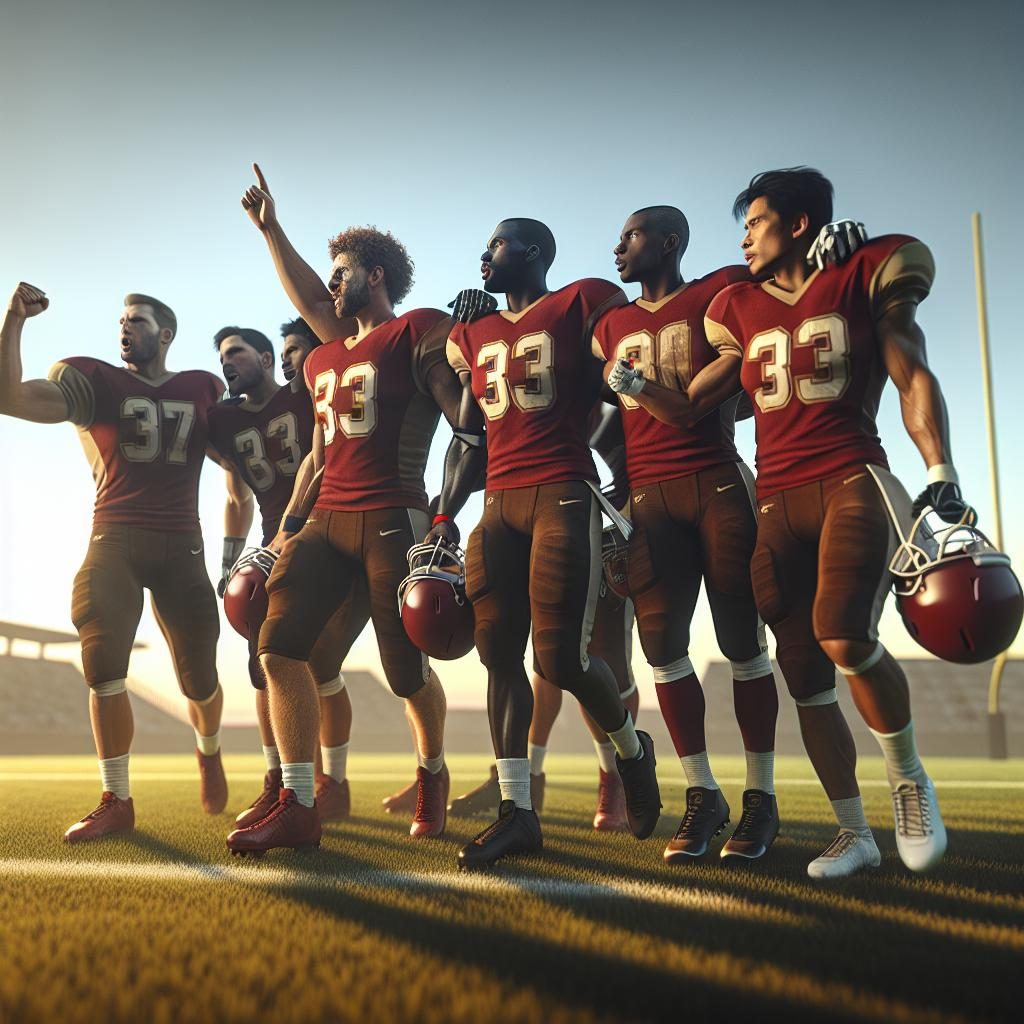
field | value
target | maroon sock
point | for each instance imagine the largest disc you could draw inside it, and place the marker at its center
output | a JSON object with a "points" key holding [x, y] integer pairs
{"points": [[682, 707], [757, 706]]}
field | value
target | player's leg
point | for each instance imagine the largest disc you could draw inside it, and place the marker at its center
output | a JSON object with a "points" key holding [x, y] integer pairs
{"points": [[665, 567], [547, 703], [784, 574], [106, 605], [268, 795], [565, 574], [497, 583], [728, 532], [185, 608], [388, 534], [403, 801], [857, 543]]}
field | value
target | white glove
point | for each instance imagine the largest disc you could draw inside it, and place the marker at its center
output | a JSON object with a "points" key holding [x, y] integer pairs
{"points": [[625, 380], [836, 243]]}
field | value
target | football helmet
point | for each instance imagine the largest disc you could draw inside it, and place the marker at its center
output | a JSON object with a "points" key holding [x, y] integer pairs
{"points": [[245, 598], [956, 592], [614, 554], [436, 613]]}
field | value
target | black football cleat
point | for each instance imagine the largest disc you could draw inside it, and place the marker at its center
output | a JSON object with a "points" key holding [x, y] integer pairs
{"points": [[482, 800], [640, 784], [517, 830], [706, 815], [758, 827]]}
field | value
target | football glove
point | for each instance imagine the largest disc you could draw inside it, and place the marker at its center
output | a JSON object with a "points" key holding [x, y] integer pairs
{"points": [[836, 243], [625, 380], [948, 503], [471, 304]]}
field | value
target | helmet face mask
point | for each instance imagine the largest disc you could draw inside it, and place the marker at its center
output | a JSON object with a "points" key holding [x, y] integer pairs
{"points": [[245, 598], [432, 602], [614, 555], [957, 594]]}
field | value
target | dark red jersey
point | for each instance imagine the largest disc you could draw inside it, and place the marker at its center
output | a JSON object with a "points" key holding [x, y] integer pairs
{"points": [[666, 341], [266, 444], [532, 375], [811, 362], [145, 442], [378, 417]]}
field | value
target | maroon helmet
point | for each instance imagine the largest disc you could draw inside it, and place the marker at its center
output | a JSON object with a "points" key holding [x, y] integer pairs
{"points": [[614, 554], [436, 613], [245, 598], [956, 592]]}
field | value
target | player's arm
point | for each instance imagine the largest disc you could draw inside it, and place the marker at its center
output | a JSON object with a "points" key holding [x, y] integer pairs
{"points": [[305, 491], [923, 407], [303, 285], [239, 508], [39, 401]]}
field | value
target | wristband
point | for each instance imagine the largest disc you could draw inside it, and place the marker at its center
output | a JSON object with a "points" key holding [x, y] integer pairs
{"points": [[233, 547], [944, 473], [292, 524], [440, 518]]}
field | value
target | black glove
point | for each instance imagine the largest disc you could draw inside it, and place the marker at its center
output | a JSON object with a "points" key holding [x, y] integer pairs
{"points": [[948, 503], [471, 304]]}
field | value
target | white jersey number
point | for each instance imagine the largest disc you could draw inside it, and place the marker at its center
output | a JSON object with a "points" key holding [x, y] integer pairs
{"points": [[537, 392], [831, 375], [249, 444], [149, 417], [361, 419]]}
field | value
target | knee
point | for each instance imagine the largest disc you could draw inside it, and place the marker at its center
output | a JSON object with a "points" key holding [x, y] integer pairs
{"points": [[807, 671], [495, 648], [109, 687], [852, 657], [561, 665]]}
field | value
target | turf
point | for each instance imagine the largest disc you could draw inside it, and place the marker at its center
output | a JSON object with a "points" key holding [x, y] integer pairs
{"points": [[164, 926]]}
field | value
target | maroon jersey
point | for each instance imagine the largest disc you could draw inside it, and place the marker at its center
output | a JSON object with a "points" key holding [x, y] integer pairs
{"points": [[811, 362], [666, 341], [145, 442], [266, 444], [531, 375], [378, 418]]}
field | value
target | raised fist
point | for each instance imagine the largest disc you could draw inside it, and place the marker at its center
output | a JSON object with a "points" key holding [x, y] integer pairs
{"points": [[27, 301], [624, 380], [259, 203], [836, 243], [471, 304]]}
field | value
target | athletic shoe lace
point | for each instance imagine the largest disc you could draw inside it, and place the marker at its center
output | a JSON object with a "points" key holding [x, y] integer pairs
{"points": [[913, 812], [694, 813], [423, 810], [105, 805], [494, 828], [842, 842], [746, 829]]}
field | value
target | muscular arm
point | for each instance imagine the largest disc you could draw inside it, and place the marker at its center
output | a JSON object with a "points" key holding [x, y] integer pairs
{"points": [[902, 345], [239, 507], [38, 401]]}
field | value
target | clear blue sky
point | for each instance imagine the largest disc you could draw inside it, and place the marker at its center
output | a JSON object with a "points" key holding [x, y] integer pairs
{"points": [[128, 129]]}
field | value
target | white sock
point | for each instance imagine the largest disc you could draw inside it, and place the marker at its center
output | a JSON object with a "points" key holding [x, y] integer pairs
{"points": [[536, 758], [698, 770], [114, 776], [299, 779], [514, 780], [272, 757], [208, 744], [335, 761], [432, 764], [850, 814], [900, 752], [626, 741], [606, 757], [760, 770]]}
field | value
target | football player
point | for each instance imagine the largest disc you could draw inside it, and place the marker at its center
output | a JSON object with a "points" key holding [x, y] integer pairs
{"points": [[813, 351], [535, 556], [265, 432], [693, 519], [377, 396], [144, 429]]}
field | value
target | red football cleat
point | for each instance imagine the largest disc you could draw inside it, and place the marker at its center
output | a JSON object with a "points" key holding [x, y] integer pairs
{"points": [[333, 801], [404, 801], [431, 803], [113, 816], [611, 803], [213, 787], [261, 806], [289, 825]]}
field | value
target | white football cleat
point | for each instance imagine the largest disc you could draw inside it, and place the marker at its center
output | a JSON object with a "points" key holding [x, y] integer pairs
{"points": [[920, 833], [848, 853]]}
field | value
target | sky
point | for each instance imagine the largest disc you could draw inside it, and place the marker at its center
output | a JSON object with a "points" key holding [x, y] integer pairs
{"points": [[128, 130]]}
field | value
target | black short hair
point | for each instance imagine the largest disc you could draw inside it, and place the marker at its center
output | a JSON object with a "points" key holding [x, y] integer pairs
{"points": [[162, 313], [669, 220], [300, 327], [257, 339], [790, 191], [535, 232]]}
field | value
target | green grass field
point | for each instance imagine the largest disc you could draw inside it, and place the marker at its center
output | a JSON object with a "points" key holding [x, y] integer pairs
{"points": [[165, 926]]}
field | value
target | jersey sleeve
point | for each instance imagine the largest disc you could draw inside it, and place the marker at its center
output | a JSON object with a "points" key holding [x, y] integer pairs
{"points": [[905, 275], [77, 379], [717, 326], [597, 296], [453, 351], [219, 429], [430, 338]]}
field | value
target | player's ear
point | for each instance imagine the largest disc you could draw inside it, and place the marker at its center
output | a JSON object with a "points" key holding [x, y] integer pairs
{"points": [[166, 336], [801, 224], [532, 253], [376, 277], [267, 360], [671, 243]]}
